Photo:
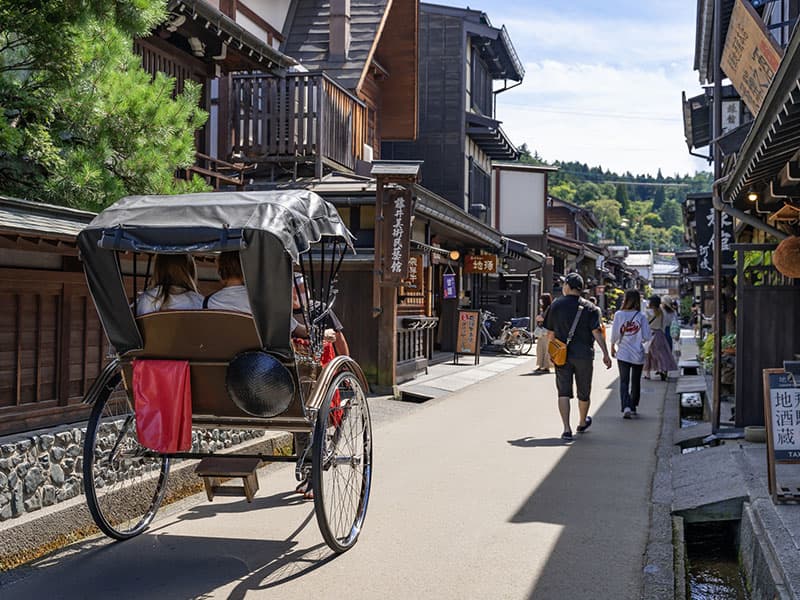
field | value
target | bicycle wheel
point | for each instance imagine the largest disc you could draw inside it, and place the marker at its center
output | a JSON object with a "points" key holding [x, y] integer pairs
{"points": [[124, 485], [526, 341], [513, 343], [341, 472]]}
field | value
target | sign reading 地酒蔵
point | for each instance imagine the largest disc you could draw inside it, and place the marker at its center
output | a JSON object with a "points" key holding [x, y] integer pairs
{"points": [[750, 57], [480, 263], [396, 237], [782, 418]]}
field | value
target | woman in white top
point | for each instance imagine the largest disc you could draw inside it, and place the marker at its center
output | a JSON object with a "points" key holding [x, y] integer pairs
{"points": [[175, 287], [628, 333]]}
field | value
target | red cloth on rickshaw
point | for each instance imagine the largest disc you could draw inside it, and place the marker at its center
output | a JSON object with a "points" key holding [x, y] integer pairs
{"points": [[162, 395], [336, 414]]}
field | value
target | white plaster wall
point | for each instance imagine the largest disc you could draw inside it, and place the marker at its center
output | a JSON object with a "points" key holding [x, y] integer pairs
{"points": [[272, 11], [521, 202]]}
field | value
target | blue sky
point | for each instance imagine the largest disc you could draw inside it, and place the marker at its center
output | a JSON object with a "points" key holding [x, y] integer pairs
{"points": [[603, 80]]}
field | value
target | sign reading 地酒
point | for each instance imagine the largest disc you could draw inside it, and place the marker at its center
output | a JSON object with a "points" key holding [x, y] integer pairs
{"points": [[750, 57], [468, 334], [480, 263], [396, 237], [782, 417]]}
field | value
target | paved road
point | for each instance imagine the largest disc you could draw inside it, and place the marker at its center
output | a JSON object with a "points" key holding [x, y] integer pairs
{"points": [[474, 496]]}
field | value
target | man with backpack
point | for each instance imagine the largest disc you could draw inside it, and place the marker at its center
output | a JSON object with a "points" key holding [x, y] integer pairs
{"points": [[575, 323]]}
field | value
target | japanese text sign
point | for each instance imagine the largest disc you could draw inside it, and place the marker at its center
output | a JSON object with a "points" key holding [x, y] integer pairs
{"points": [[414, 279], [482, 263], [750, 57], [784, 415], [397, 209], [449, 290], [468, 332], [704, 219]]}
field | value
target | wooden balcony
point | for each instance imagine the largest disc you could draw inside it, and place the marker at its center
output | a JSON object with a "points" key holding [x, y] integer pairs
{"points": [[300, 119]]}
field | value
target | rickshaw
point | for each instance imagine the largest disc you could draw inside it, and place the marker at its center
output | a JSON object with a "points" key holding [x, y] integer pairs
{"points": [[243, 372]]}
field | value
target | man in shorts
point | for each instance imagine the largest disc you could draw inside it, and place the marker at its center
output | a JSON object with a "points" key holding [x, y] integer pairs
{"points": [[580, 351]]}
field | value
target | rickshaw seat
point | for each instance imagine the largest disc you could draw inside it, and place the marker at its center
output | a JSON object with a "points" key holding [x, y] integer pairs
{"points": [[209, 340]]}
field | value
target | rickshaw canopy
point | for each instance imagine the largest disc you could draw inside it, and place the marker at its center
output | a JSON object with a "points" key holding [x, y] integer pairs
{"points": [[270, 229]]}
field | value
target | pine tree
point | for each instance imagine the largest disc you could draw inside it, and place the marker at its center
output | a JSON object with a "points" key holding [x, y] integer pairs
{"points": [[622, 197], [659, 198]]}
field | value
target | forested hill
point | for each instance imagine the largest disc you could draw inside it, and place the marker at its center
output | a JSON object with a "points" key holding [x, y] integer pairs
{"points": [[640, 211]]}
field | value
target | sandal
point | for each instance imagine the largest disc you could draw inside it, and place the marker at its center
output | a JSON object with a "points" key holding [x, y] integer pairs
{"points": [[309, 494], [302, 487], [586, 424]]}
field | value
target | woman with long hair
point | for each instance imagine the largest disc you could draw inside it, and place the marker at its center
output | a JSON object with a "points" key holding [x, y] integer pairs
{"points": [[659, 358], [669, 316], [543, 362], [629, 331], [174, 285]]}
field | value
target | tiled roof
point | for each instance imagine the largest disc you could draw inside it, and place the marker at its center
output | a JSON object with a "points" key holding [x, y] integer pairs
{"points": [[44, 220]]}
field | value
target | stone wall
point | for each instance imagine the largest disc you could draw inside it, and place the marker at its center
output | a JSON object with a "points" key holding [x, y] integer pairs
{"points": [[45, 467]]}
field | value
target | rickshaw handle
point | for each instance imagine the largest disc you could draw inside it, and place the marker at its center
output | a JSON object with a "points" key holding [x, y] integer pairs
{"points": [[102, 380]]}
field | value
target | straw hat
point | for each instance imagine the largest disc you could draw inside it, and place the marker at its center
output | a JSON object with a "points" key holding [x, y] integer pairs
{"points": [[786, 257]]}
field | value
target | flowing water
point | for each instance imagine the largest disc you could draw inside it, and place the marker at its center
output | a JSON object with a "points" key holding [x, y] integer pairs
{"points": [[713, 571]]}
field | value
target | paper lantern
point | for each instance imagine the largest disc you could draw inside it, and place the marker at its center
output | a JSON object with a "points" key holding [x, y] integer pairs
{"points": [[786, 257]]}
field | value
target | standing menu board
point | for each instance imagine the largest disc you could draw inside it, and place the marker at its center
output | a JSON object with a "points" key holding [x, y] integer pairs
{"points": [[782, 417], [468, 335]]}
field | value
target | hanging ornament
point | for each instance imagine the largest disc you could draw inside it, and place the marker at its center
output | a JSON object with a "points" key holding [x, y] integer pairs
{"points": [[786, 257]]}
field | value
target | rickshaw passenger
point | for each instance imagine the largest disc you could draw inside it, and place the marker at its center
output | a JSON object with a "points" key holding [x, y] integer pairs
{"points": [[175, 287], [233, 293]]}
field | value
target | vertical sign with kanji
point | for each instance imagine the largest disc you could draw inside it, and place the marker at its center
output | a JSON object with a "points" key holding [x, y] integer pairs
{"points": [[449, 290], [414, 279], [395, 236], [782, 416], [704, 219], [468, 334], [751, 56]]}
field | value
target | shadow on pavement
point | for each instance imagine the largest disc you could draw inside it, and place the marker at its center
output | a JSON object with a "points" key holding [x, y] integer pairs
{"points": [[211, 509], [599, 495]]}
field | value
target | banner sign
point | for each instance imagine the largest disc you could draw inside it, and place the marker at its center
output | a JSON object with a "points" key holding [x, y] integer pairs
{"points": [[481, 263], [750, 57], [704, 219], [395, 236], [449, 290]]}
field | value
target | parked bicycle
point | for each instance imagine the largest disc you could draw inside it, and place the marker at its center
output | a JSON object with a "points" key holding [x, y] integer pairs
{"points": [[515, 336]]}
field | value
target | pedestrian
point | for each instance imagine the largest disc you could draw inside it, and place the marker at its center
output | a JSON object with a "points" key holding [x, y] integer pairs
{"points": [[576, 323], [659, 357], [670, 315], [543, 362], [629, 332]]}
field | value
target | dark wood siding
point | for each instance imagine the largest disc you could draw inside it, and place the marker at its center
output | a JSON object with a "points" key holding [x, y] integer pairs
{"points": [[441, 108], [561, 221]]}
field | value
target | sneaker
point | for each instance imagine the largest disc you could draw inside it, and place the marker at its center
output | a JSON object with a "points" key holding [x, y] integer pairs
{"points": [[626, 414], [634, 413], [567, 436], [586, 424]]}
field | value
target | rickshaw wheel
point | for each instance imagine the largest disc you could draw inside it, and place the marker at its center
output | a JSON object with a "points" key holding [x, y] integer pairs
{"points": [[342, 462], [124, 485]]}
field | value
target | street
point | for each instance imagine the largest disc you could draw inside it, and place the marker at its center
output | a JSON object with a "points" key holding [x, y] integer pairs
{"points": [[474, 496]]}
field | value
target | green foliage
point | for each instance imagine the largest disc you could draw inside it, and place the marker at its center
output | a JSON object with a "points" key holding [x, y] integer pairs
{"points": [[686, 308], [649, 207], [88, 126]]}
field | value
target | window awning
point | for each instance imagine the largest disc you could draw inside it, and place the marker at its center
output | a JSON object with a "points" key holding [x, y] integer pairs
{"points": [[490, 137]]}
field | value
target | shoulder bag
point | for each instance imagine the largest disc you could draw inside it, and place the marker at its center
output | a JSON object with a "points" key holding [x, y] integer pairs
{"points": [[558, 349]]}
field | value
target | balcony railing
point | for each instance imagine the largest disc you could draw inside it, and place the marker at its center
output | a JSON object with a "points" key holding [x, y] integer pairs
{"points": [[300, 118]]}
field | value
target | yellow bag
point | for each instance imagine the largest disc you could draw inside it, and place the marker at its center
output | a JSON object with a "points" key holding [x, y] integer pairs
{"points": [[557, 351]]}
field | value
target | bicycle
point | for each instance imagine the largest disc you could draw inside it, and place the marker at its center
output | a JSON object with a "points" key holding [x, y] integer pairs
{"points": [[514, 338]]}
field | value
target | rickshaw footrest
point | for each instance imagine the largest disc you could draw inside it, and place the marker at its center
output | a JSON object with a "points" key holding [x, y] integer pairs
{"points": [[216, 469]]}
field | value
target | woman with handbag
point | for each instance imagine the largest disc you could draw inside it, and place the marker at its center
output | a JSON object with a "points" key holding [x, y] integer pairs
{"points": [[659, 358], [543, 362], [629, 333]]}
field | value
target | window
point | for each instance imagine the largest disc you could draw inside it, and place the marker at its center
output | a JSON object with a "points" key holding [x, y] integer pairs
{"points": [[481, 88], [480, 192]]}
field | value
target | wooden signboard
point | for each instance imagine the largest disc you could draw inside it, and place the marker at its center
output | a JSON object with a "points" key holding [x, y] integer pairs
{"points": [[782, 417], [750, 57], [395, 236], [481, 263], [468, 337]]}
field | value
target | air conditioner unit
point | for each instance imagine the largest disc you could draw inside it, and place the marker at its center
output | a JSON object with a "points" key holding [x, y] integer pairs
{"points": [[368, 153]]}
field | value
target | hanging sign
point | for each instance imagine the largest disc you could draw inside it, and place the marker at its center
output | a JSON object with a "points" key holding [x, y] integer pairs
{"points": [[704, 220], [449, 290], [782, 417], [415, 263], [750, 57], [480, 263], [468, 334]]}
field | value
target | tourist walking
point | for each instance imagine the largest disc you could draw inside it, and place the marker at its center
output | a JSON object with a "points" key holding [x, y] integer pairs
{"points": [[576, 323], [543, 362], [670, 315], [629, 332], [659, 357]]}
